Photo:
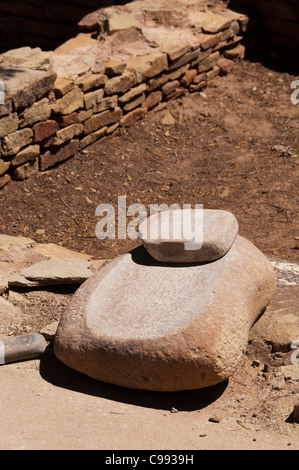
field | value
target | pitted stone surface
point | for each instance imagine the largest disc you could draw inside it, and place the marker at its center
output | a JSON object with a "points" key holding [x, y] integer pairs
{"points": [[141, 324]]}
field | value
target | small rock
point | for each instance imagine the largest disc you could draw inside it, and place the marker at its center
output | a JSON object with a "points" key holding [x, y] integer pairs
{"points": [[49, 330], [168, 119], [173, 410], [58, 271], [214, 419]]}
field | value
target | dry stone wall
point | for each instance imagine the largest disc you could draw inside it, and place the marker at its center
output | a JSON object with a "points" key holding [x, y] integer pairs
{"points": [[57, 103]]}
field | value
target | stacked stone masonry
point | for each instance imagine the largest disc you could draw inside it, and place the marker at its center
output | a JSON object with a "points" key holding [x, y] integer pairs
{"points": [[55, 103]]}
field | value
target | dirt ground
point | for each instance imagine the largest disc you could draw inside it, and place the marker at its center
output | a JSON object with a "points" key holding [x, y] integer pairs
{"points": [[233, 146]]}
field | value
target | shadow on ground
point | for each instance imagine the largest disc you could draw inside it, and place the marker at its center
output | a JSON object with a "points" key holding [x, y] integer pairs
{"points": [[54, 371]]}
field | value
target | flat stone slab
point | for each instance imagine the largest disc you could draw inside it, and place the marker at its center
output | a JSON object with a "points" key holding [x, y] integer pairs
{"points": [[189, 235], [58, 271], [143, 324]]}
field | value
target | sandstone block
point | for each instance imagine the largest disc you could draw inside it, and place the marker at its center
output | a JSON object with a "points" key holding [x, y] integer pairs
{"points": [[153, 99], [120, 84], [133, 116], [39, 111], [4, 166], [72, 101], [134, 103], [25, 171], [187, 79], [169, 328], [58, 271], [8, 124], [115, 67], [68, 119], [147, 66], [44, 130], [169, 87], [235, 53], [109, 102], [209, 62], [101, 120], [136, 91], [65, 135], [26, 155], [93, 137], [226, 65], [91, 82], [175, 50], [12, 143], [62, 86], [54, 156], [92, 98], [28, 86]]}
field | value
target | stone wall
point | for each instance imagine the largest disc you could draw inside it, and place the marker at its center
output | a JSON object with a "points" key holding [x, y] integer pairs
{"points": [[43, 23], [56, 103]]}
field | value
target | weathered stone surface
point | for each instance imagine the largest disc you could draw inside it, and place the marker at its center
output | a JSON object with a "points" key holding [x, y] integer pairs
{"points": [[93, 137], [49, 330], [169, 87], [53, 156], [58, 271], [279, 325], [209, 62], [174, 51], [114, 67], [103, 119], [44, 130], [92, 98], [136, 91], [235, 53], [169, 328], [23, 347], [62, 86], [4, 166], [187, 79], [226, 65], [133, 116], [65, 135], [109, 102], [91, 82], [70, 102], [26, 155], [120, 84], [39, 111], [188, 236], [25, 171], [27, 86], [12, 143], [9, 124], [147, 66], [153, 99], [68, 119], [134, 103]]}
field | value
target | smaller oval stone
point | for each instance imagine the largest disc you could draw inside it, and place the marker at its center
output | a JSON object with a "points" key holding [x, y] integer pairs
{"points": [[188, 235]]}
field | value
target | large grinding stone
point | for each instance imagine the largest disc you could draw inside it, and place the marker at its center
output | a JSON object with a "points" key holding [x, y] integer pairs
{"points": [[143, 324], [189, 235]]}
